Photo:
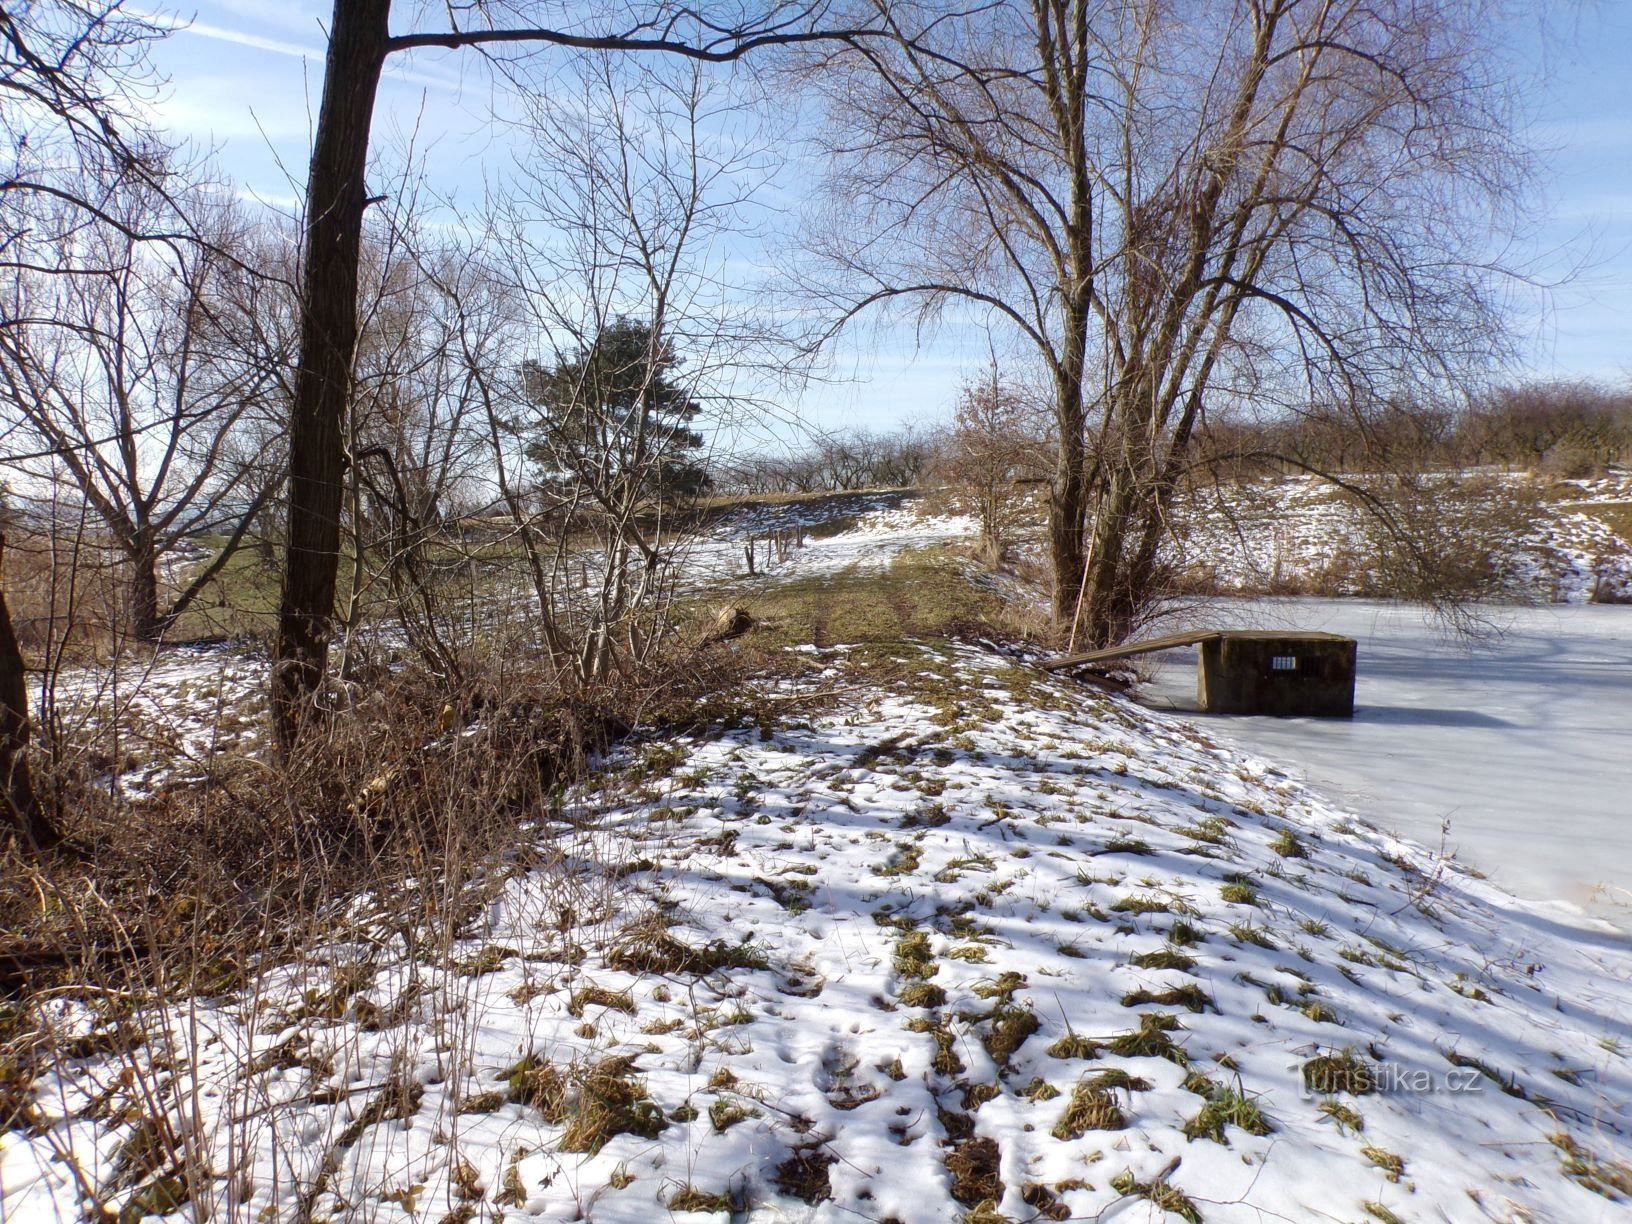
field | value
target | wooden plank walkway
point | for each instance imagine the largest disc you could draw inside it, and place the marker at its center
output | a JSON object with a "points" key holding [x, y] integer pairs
{"points": [[1129, 649]]}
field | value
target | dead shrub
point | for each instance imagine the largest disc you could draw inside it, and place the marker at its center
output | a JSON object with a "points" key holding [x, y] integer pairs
{"points": [[1443, 539], [398, 820]]}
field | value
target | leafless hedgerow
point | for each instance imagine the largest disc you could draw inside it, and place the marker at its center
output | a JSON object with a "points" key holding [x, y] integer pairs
{"points": [[844, 462]]}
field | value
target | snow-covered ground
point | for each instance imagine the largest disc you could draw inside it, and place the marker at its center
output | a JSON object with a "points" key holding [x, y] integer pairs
{"points": [[1521, 741], [973, 941], [1542, 540], [162, 716], [809, 538]]}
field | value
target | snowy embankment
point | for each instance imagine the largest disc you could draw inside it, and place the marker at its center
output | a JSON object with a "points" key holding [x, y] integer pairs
{"points": [[968, 941], [1545, 542]]}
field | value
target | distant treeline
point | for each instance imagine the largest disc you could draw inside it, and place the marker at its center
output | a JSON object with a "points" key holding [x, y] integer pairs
{"points": [[1565, 429], [860, 459]]}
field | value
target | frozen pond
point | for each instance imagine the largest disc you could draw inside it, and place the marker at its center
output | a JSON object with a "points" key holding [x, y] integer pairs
{"points": [[1523, 744]]}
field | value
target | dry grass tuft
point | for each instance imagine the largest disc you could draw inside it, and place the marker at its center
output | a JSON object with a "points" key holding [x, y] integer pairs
{"points": [[1093, 1106], [804, 1173], [600, 996], [689, 1198], [1149, 1040], [537, 1083], [1011, 1025], [1191, 998], [921, 994], [1610, 1178], [1341, 1072], [1074, 1045], [1165, 958], [644, 947], [1225, 1107], [974, 1168], [611, 1101], [1159, 1193]]}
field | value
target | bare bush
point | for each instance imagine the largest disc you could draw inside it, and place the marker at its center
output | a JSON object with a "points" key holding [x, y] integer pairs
{"points": [[1564, 429], [998, 439], [389, 837], [360, 42], [1446, 540]]}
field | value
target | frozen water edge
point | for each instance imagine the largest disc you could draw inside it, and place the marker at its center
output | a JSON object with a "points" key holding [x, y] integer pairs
{"points": [[1520, 742]]}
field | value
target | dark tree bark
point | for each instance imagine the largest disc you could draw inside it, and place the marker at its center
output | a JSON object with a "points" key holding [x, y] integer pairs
{"points": [[145, 619], [20, 812], [335, 201], [1068, 494]]}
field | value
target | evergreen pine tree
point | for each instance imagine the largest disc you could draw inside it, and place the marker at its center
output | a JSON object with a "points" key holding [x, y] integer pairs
{"points": [[613, 419]]}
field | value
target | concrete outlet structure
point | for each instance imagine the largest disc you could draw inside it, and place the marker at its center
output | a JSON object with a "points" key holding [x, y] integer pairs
{"points": [[1273, 672], [1255, 671]]}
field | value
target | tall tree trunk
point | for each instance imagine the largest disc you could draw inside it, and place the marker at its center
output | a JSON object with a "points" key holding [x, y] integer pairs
{"points": [[335, 200], [1068, 495], [145, 623], [20, 811], [1067, 512], [1107, 612]]}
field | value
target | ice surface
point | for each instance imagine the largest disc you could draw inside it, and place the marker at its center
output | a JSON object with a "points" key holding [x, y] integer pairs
{"points": [[1523, 743]]}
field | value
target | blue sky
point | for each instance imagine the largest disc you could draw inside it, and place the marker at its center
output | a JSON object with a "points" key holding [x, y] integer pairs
{"points": [[244, 77]]}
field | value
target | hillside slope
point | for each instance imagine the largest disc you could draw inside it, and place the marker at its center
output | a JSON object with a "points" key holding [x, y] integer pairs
{"points": [[941, 937]]}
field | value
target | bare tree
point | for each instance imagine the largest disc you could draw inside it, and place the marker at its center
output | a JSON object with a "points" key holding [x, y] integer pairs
{"points": [[360, 41], [71, 74], [126, 367], [67, 71], [835, 463], [1277, 199], [1570, 428], [416, 444], [612, 242]]}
